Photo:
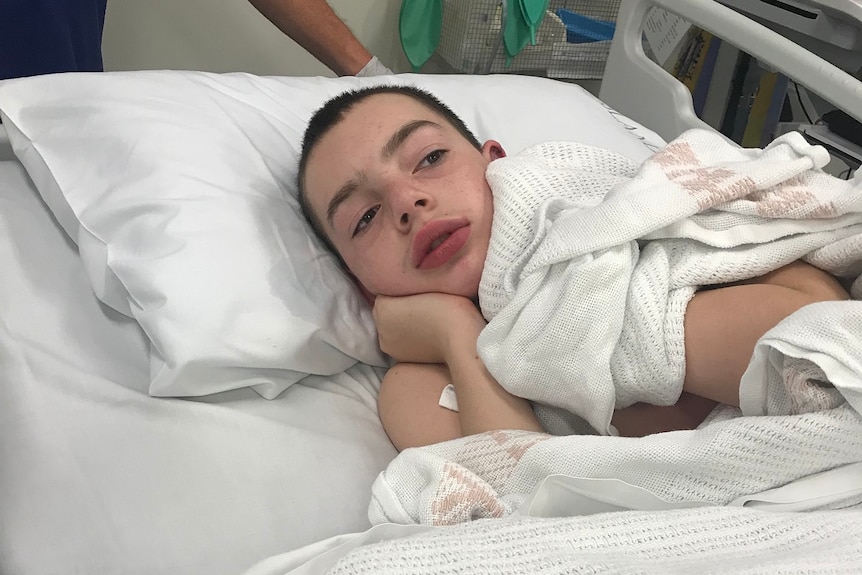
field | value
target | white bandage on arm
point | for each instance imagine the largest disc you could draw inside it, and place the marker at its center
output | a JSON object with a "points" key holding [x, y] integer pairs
{"points": [[448, 399]]}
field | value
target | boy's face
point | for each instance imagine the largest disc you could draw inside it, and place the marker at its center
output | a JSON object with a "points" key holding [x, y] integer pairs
{"points": [[402, 196]]}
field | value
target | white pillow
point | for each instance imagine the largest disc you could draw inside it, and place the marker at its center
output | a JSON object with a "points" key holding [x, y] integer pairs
{"points": [[179, 188]]}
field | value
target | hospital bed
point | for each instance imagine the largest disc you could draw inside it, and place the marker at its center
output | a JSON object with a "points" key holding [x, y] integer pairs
{"points": [[161, 305]]}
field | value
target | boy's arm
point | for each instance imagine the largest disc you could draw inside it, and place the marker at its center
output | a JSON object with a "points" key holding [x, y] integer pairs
{"points": [[443, 329], [723, 324], [483, 404]]}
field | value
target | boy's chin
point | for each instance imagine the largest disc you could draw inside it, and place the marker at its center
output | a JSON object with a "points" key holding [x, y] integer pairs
{"points": [[367, 295], [469, 290]]}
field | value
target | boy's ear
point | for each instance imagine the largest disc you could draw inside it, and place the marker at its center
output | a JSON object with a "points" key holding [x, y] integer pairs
{"points": [[492, 150]]}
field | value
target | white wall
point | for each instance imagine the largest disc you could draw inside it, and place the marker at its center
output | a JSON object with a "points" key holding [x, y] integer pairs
{"points": [[231, 36]]}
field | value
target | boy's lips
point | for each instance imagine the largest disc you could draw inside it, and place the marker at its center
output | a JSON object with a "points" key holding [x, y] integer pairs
{"points": [[438, 241]]}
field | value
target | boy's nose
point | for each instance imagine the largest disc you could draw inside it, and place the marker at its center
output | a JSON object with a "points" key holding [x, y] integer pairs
{"points": [[407, 216]]}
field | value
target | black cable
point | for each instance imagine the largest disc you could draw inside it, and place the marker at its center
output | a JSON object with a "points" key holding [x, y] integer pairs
{"points": [[801, 105]]}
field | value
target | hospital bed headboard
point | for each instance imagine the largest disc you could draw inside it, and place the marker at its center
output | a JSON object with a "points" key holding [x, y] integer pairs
{"points": [[666, 107]]}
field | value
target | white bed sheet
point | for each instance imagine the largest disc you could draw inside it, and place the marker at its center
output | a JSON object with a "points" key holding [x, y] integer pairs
{"points": [[96, 476]]}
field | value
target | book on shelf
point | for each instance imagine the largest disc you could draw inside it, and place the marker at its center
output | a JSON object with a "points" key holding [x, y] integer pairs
{"points": [[765, 109], [687, 60], [776, 109], [730, 90], [694, 66], [718, 94], [759, 103], [744, 101], [734, 94], [705, 74]]}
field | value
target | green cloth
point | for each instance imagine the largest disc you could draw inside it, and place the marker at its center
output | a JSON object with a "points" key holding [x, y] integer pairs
{"points": [[420, 24], [534, 12], [516, 31], [523, 18]]}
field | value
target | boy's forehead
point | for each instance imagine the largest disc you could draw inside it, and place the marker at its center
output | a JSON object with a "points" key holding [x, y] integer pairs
{"points": [[395, 106], [388, 110], [380, 114]]}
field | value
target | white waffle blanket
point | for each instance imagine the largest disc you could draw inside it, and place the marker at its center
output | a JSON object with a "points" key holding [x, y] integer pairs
{"points": [[593, 260], [678, 502]]}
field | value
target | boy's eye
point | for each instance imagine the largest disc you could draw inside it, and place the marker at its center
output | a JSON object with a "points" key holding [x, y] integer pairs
{"points": [[432, 158], [365, 220]]}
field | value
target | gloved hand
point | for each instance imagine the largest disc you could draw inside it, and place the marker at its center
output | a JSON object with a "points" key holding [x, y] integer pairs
{"points": [[374, 67]]}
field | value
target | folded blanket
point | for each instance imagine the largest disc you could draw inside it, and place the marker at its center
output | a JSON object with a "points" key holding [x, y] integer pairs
{"points": [[593, 260]]}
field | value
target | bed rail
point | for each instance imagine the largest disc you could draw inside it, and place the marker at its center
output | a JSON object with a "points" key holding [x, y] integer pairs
{"points": [[665, 106]]}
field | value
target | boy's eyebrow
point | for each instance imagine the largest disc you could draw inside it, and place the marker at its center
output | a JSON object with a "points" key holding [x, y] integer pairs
{"points": [[395, 141], [401, 135], [341, 196]]}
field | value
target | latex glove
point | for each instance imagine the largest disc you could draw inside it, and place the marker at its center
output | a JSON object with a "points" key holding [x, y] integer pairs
{"points": [[374, 67], [427, 328]]}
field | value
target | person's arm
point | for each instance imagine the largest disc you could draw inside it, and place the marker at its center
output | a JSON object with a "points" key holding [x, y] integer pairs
{"points": [[316, 27], [482, 402], [642, 419], [723, 324], [437, 334], [409, 405]]}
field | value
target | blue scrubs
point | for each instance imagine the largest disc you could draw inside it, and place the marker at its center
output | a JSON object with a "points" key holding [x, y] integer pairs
{"points": [[47, 36]]}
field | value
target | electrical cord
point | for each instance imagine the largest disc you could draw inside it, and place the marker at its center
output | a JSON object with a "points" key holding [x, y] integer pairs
{"points": [[801, 104]]}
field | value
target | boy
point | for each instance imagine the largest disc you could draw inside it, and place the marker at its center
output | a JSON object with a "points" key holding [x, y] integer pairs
{"points": [[394, 183]]}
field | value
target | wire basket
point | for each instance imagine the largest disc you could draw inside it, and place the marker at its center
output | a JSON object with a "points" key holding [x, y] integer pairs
{"points": [[471, 40]]}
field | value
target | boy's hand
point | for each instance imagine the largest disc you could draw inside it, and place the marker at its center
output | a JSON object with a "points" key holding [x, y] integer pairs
{"points": [[426, 328]]}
